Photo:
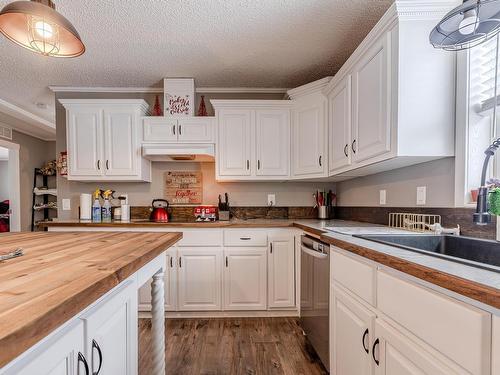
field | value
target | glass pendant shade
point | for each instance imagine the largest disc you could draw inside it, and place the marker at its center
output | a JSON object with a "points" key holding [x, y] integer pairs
{"points": [[468, 25], [37, 26]]}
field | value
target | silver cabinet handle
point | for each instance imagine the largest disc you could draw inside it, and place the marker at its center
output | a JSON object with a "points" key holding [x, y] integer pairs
{"points": [[180, 129], [171, 262], [95, 345], [98, 165], [180, 262], [227, 262], [353, 146], [81, 358], [320, 160], [245, 238], [173, 129], [258, 164], [107, 164], [345, 150], [248, 164], [271, 247]]}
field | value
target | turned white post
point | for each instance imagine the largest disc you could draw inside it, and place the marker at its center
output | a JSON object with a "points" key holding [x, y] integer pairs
{"points": [[158, 323]]}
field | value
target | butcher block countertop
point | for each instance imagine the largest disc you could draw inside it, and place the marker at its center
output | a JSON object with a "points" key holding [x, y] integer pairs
{"points": [[60, 274]]}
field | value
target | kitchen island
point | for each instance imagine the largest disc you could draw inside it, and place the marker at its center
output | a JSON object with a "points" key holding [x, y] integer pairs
{"points": [[65, 298]]}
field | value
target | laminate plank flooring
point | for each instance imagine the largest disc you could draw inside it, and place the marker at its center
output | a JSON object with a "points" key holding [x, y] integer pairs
{"points": [[246, 346]]}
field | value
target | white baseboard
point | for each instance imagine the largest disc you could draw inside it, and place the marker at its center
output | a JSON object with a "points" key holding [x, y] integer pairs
{"points": [[224, 314]]}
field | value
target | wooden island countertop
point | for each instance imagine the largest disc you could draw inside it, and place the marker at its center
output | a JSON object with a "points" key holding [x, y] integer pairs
{"points": [[60, 274]]}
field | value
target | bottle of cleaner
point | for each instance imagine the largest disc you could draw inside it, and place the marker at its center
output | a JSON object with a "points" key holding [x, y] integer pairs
{"points": [[96, 207], [106, 207]]}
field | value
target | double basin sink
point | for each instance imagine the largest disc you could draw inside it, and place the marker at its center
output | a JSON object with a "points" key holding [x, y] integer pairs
{"points": [[470, 251]]}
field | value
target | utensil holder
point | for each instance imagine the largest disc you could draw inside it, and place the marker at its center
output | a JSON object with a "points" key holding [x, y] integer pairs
{"points": [[224, 215], [323, 212]]}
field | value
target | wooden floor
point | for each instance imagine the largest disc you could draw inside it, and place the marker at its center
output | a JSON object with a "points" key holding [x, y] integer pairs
{"points": [[245, 346]]}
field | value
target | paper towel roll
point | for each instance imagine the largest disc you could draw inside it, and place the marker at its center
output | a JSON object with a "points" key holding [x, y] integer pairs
{"points": [[86, 207]]}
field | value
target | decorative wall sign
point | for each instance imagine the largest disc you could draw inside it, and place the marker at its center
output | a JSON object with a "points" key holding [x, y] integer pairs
{"points": [[178, 96], [184, 187]]}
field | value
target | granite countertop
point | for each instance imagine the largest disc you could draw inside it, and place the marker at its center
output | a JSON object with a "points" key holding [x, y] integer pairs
{"points": [[60, 274]]}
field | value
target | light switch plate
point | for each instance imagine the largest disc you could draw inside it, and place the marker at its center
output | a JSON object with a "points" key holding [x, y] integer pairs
{"points": [[383, 197], [66, 203], [271, 200], [421, 195]]}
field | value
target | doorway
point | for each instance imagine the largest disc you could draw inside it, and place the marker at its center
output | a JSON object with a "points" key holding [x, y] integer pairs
{"points": [[10, 211]]}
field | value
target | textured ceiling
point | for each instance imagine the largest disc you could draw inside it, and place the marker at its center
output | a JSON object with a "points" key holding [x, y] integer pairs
{"points": [[224, 43]]}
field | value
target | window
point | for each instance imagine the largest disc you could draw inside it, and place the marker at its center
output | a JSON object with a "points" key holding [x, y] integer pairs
{"points": [[475, 111]]}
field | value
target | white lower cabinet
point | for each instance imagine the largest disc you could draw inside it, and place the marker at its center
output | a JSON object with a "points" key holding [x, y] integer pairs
{"points": [[352, 325], [245, 278], [495, 359], [199, 277], [395, 354], [281, 273], [60, 356], [407, 329], [111, 333]]}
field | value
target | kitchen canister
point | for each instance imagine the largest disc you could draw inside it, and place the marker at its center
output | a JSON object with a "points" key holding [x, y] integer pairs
{"points": [[85, 207], [323, 212]]}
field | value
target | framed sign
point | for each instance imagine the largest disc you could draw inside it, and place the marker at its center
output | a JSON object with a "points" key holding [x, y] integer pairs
{"points": [[184, 187], [179, 96]]}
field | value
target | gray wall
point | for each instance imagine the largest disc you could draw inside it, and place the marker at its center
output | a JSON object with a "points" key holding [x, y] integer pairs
{"points": [[401, 186], [4, 180], [241, 194], [33, 153]]}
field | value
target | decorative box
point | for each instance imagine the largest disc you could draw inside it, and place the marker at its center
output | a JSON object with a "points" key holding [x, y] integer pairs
{"points": [[179, 99]]}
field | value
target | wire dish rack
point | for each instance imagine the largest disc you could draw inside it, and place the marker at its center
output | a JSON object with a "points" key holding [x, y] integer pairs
{"points": [[413, 222]]}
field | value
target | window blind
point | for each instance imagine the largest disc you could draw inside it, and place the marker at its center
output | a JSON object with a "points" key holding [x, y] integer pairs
{"points": [[482, 75]]}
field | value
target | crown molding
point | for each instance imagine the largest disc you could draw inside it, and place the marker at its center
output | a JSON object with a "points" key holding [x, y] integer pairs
{"points": [[218, 103], [309, 88], [30, 123], [159, 90]]}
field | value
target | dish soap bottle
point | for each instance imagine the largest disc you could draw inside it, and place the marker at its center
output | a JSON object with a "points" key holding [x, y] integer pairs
{"points": [[106, 207], [96, 207]]}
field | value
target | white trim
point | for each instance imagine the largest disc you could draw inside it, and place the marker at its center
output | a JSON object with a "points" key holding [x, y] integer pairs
{"points": [[14, 184], [159, 90], [144, 312], [29, 118], [217, 103], [309, 88]]}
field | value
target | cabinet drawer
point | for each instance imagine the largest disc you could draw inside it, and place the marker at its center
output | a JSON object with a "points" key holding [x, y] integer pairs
{"points": [[354, 275], [159, 130], [201, 237], [460, 332], [245, 237]]}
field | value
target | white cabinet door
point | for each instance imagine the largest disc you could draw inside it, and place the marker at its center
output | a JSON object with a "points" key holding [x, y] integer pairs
{"points": [[352, 330], [199, 278], [111, 333], [495, 347], [84, 141], [59, 357], [159, 129], [281, 273], [121, 152], [170, 285], [371, 101], [195, 129], [272, 129], [245, 278], [308, 138], [235, 142], [397, 355], [339, 102]]}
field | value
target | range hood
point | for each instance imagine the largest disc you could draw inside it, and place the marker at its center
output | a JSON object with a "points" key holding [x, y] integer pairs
{"points": [[179, 152]]}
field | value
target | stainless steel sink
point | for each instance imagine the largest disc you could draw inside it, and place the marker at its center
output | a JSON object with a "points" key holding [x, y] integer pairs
{"points": [[471, 251]]}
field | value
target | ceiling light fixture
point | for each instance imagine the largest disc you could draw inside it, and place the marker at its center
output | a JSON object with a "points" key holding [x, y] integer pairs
{"points": [[37, 26], [468, 25]]}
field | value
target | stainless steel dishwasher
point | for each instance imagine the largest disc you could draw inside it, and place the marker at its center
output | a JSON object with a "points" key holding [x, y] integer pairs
{"points": [[315, 295]]}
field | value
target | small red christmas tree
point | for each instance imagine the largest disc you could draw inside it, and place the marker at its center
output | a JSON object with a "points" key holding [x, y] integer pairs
{"points": [[202, 111], [157, 107]]}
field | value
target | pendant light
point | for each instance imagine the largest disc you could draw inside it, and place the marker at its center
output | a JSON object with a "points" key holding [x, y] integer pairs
{"points": [[468, 25], [37, 26]]}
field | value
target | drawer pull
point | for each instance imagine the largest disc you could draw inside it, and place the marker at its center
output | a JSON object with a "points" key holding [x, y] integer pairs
{"points": [[365, 335], [375, 344], [95, 345], [82, 359], [245, 238]]}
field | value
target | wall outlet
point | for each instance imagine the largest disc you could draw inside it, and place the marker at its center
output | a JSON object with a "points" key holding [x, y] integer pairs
{"points": [[383, 197], [271, 200], [66, 203], [421, 195]]}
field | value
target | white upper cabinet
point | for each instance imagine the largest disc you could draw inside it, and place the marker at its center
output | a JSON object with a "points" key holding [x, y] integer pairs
{"points": [[309, 131], [272, 142], [253, 141], [339, 132], [371, 95], [400, 110], [235, 142], [103, 140], [178, 129]]}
